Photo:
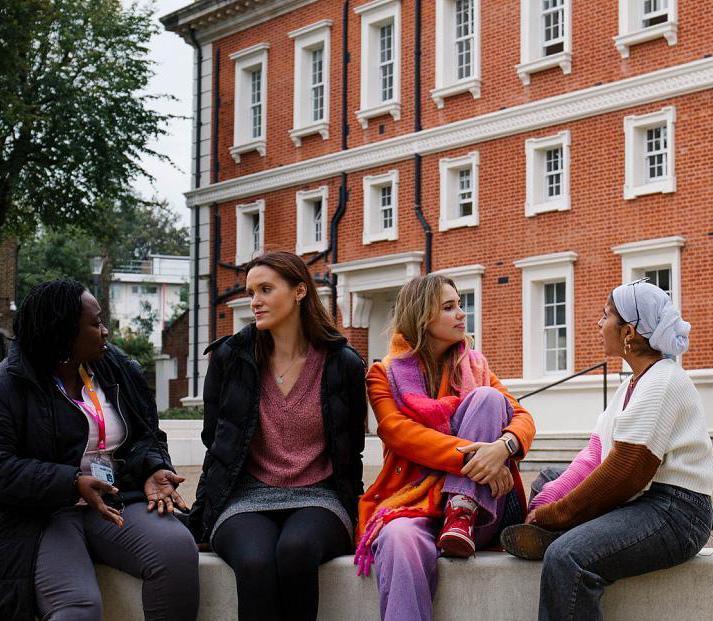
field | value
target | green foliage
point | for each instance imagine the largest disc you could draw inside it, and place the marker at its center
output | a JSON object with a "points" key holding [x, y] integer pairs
{"points": [[136, 346], [182, 414], [143, 324], [132, 229], [182, 305], [75, 119]]}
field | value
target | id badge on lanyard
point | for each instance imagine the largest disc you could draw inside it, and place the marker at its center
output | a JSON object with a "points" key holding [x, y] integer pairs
{"points": [[102, 469]]}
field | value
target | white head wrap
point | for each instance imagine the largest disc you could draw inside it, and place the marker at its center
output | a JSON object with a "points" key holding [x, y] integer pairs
{"points": [[659, 321]]}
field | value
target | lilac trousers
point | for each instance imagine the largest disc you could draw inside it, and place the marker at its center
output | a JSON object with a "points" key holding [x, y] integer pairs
{"points": [[405, 551]]}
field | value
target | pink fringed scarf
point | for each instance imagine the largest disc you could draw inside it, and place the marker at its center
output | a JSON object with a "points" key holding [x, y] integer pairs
{"points": [[420, 498]]}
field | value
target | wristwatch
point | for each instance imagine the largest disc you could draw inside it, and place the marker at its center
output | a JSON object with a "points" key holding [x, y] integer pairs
{"points": [[510, 444]]}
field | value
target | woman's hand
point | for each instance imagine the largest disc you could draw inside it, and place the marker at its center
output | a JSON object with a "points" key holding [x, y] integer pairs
{"points": [[530, 519], [91, 490], [160, 490], [502, 483], [485, 463]]}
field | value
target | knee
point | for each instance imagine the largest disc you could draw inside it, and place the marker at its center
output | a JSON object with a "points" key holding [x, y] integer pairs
{"points": [[174, 548], [487, 395], [297, 554], [559, 560]]}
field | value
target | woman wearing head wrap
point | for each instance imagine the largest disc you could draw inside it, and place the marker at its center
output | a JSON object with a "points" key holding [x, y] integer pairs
{"points": [[638, 497]]}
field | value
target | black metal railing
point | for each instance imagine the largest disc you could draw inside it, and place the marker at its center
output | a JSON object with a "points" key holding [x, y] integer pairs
{"points": [[601, 365]]}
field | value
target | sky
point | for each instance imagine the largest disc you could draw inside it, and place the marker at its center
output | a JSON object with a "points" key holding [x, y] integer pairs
{"points": [[173, 66]]}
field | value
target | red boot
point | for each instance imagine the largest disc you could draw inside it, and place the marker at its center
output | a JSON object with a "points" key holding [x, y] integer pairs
{"points": [[456, 538]]}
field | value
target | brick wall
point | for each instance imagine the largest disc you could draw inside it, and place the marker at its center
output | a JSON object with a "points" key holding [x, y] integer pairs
{"points": [[599, 217]]}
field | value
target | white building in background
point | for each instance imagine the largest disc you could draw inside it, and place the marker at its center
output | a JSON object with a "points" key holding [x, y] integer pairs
{"points": [[157, 282]]}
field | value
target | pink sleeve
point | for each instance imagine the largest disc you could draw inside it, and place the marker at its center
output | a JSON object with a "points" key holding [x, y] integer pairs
{"points": [[582, 465]]}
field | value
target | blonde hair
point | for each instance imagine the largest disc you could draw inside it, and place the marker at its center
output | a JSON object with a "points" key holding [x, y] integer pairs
{"points": [[417, 304]]}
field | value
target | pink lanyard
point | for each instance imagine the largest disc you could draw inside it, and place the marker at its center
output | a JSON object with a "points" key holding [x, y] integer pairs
{"points": [[96, 413]]}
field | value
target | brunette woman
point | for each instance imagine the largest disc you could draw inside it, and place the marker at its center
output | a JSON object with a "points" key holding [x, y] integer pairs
{"points": [[451, 435], [285, 405]]}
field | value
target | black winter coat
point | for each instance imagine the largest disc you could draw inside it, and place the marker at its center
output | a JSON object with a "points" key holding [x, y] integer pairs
{"points": [[231, 398], [42, 440]]}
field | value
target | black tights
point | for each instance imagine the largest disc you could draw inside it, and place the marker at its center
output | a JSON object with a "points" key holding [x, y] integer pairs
{"points": [[275, 556]]}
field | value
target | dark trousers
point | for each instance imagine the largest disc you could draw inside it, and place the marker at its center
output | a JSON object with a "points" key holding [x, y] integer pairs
{"points": [[157, 549], [276, 556]]}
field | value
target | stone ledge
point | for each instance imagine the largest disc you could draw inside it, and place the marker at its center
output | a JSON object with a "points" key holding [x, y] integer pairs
{"points": [[493, 586]]}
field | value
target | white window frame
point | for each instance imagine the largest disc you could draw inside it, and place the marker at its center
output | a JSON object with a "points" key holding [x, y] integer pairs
{"points": [[372, 193], [244, 233], [246, 61], [535, 153], [305, 241], [469, 279], [635, 127], [532, 58], [374, 15], [647, 254], [449, 169], [447, 82], [536, 272], [632, 30], [307, 40]]}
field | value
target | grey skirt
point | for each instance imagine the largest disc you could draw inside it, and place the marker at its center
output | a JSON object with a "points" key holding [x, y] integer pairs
{"points": [[253, 496]]}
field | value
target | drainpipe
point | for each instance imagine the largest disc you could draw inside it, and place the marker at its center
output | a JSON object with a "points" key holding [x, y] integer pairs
{"points": [[217, 232], [197, 238], [417, 128]]}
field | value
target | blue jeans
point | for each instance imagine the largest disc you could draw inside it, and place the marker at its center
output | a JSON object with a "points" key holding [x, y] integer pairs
{"points": [[665, 526]]}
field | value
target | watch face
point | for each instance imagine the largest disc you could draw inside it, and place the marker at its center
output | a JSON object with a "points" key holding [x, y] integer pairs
{"points": [[511, 445]]}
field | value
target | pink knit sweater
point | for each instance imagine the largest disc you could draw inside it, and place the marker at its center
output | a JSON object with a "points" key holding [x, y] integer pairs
{"points": [[289, 448]]}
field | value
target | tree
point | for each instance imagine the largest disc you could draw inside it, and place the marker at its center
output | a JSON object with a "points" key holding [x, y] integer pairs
{"points": [[132, 229], [74, 117]]}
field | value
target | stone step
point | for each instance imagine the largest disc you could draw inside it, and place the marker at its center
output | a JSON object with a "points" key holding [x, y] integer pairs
{"points": [[491, 587]]}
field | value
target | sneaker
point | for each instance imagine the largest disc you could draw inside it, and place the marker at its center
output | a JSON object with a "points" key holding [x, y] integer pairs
{"points": [[527, 541], [456, 538]]}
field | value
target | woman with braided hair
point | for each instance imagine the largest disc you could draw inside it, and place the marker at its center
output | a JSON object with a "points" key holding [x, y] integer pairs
{"points": [[85, 475]]}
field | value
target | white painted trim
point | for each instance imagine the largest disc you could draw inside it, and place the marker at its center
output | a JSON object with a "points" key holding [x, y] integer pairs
{"points": [[249, 51], [449, 168], [535, 202], [640, 255], [633, 32], [532, 59], [469, 278], [447, 84], [650, 87], [372, 274], [242, 235], [373, 15], [371, 207], [634, 139], [247, 60], [308, 39], [536, 272], [302, 198], [305, 30], [231, 20]]}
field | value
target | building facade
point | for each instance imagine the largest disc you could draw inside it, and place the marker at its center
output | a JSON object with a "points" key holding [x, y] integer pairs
{"points": [[540, 152], [148, 289]]}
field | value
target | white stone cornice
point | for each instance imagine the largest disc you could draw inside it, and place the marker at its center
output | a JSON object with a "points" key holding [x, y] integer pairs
{"points": [[649, 87], [648, 245]]}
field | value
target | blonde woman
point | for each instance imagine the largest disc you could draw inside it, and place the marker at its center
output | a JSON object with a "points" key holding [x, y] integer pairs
{"points": [[452, 436]]}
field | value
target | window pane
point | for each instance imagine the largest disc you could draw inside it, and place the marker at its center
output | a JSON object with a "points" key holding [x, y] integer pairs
{"points": [[551, 360], [560, 289], [561, 314], [551, 339], [465, 41], [386, 62], [561, 360], [549, 315], [562, 338], [549, 294], [656, 157]]}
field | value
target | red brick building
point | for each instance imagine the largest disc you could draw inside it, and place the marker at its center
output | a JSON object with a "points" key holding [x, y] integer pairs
{"points": [[539, 151]]}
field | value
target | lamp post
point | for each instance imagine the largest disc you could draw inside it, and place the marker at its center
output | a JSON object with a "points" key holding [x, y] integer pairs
{"points": [[96, 265]]}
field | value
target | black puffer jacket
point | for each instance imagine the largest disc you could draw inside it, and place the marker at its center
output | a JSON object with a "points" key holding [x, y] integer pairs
{"points": [[231, 397], [42, 441]]}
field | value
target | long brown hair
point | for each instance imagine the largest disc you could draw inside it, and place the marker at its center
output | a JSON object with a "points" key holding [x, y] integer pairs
{"points": [[417, 304], [317, 326]]}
